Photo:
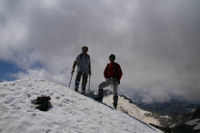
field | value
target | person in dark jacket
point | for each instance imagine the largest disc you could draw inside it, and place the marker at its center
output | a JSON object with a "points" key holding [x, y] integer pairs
{"points": [[112, 74], [83, 64]]}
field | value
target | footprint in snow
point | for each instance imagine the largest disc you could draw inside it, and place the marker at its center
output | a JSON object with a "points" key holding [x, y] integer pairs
{"points": [[30, 85], [8, 101], [5, 85], [48, 131], [33, 114], [3, 95]]}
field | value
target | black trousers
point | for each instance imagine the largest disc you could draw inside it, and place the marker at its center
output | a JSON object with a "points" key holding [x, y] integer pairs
{"points": [[84, 80]]}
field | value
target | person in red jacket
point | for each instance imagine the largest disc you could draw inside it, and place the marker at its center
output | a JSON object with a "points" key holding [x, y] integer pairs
{"points": [[112, 74]]}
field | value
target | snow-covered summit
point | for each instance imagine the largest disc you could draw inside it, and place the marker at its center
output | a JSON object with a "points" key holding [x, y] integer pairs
{"points": [[71, 111]]}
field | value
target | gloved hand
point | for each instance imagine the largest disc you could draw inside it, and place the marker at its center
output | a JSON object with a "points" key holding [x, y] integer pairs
{"points": [[72, 71], [118, 82]]}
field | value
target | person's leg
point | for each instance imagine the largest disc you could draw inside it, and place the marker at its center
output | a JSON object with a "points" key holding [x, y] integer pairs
{"points": [[84, 82], [115, 88], [77, 80], [101, 86], [115, 96]]}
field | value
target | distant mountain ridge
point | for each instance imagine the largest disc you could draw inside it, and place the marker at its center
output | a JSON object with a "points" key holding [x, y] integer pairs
{"points": [[171, 121], [188, 123]]}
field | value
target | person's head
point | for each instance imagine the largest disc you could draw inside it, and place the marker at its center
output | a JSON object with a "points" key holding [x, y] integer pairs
{"points": [[84, 49], [112, 58]]}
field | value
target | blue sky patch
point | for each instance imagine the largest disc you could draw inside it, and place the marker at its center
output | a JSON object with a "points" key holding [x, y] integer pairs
{"points": [[7, 69]]}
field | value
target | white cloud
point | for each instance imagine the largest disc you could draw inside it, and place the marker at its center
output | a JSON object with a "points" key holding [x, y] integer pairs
{"points": [[156, 42], [60, 78]]}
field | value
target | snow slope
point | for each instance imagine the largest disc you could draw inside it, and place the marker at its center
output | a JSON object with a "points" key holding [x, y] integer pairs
{"points": [[132, 109], [71, 112]]}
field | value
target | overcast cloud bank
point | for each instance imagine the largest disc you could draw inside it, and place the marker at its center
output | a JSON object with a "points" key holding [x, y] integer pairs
{"points": [[156, 42]]}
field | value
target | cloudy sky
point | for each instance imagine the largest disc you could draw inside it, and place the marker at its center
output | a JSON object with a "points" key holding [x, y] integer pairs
{"points": [[157, 43]]}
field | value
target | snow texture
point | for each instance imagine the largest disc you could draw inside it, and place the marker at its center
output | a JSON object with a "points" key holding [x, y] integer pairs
{"points": [[71, 112]]}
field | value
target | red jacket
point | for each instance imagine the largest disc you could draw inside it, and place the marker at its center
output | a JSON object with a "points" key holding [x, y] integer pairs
{"points": [[113, 70]]}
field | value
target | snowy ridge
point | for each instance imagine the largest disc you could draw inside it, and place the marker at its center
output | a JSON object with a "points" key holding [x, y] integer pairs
{"points": [[132, 109], [71, 111]]}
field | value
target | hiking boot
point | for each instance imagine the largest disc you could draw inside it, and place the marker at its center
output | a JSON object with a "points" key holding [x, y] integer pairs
{"points": [[115, 106], [83, 92], [76, 89], [99, 98]]}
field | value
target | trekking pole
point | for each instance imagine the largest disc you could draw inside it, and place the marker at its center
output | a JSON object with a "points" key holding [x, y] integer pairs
{"points": [[70, 79], [89, 84]]}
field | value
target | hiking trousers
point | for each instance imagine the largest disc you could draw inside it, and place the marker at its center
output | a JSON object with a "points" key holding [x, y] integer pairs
{"points": [[84, 80], [112, 82]]}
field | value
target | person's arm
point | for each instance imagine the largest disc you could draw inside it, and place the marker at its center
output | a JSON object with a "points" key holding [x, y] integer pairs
{"points": [[120, 72], [90, 69], [73, 67], [75, 63], [89, 66], [106, 72]]}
